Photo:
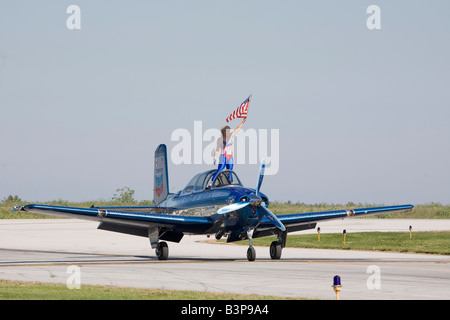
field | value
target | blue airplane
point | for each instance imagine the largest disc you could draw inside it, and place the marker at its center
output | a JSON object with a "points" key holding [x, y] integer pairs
{"points": [[226, 208]]}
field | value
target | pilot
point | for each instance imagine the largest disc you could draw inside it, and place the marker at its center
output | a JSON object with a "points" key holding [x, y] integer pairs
{"points": [[225, 148]]}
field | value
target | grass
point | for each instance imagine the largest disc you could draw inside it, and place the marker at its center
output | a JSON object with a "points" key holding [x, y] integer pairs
{"points": [[421, 242], [19, 290]]}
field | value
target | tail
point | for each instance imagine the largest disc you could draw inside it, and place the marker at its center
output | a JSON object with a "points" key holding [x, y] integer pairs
{"points": [[161, 176]]}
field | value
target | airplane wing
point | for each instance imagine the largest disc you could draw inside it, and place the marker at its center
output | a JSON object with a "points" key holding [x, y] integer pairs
{"points": [[303, 221], [137, 221]]}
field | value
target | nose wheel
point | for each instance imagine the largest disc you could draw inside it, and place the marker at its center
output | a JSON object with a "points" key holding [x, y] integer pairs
{"points": [[251, 253]]}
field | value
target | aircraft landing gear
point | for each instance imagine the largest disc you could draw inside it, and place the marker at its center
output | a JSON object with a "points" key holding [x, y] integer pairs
{"points": [[162, 251], [251, 253], [220, 234], [276, 247], [275, 250]]}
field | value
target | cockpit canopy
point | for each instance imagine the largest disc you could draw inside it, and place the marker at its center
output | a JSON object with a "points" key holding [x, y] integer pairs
{"points": [[200, 181]]}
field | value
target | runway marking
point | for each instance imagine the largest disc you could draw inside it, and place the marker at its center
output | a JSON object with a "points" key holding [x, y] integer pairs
{"points": [[86, 264], [337, 262], [66, 261], [78, 263]]}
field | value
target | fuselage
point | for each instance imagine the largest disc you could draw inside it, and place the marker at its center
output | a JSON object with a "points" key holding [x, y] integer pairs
{"points": [[197, 200]]}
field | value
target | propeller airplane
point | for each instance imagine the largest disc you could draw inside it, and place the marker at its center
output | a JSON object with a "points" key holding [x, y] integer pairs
{"points": [[225, 208]]}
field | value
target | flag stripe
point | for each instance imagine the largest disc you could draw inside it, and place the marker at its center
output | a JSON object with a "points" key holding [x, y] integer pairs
{"points": [[241, 111]]}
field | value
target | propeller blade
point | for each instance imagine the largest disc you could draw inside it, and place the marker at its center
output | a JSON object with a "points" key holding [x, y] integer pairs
{"points": [[274, 219], [233, 207], [261, 176]]}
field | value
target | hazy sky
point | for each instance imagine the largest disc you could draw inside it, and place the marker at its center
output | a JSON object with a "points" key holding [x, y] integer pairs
{"points": [[363, 115]]}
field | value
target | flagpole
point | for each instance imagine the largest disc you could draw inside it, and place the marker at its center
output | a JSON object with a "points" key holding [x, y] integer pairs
{"points": [[249, 100]]}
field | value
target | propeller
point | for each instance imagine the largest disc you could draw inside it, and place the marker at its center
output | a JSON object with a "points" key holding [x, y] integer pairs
{"points": [[255, 200], [233, 207], [260, 176], [274, 219], [266, 211]]}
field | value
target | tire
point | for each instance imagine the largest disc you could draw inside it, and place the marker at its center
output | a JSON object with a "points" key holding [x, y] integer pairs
{"points": [[251, 254], [219, 234], [275, 250], [162, 251]]}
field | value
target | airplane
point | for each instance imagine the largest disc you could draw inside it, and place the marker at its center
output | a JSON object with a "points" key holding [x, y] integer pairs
{"points": [[226, 208]]}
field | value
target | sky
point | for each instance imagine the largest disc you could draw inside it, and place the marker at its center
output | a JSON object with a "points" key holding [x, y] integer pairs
{"points": [[361, 115]]}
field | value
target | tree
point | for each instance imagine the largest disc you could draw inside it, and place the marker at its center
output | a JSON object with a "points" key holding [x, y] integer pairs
{"points": [[124, 195], [12, 199]]}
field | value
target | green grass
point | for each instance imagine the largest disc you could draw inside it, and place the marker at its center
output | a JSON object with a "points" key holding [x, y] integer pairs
{"points": [[19, 290], [421, 242]]}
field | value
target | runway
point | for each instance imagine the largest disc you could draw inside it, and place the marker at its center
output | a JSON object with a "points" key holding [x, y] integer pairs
{"points": [[42, 250]]}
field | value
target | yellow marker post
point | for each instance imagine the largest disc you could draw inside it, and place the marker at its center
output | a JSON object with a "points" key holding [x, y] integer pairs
{"points": [[337, 285], [345, 233], [318, 232], [410, 232]]}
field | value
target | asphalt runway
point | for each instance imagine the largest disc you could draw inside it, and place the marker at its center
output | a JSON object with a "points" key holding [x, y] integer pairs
{"points": [[44, 250]]}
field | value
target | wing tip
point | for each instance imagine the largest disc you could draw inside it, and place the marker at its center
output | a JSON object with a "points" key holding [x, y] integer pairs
{"points": [[17, 208]]}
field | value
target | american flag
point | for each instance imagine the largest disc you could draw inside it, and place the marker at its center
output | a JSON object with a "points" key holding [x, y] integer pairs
{"points": [[241, 111]]}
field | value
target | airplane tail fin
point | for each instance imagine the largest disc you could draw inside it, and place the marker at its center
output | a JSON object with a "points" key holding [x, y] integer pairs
{"points": [[161, 176]]}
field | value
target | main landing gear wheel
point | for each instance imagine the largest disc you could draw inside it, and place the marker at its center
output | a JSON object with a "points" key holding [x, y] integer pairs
{"points": [[162, 251], [275, 250], [251, 254]]}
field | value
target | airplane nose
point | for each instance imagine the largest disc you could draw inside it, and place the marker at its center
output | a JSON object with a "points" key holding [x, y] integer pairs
{"points": [[255, 199]]}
